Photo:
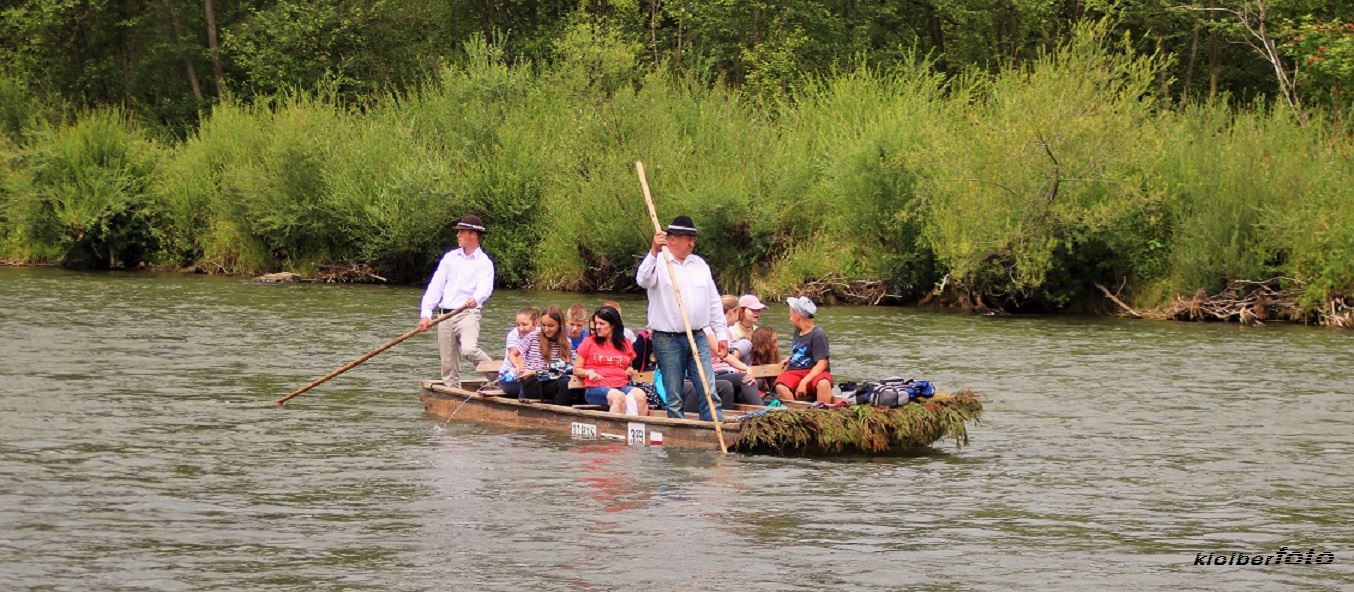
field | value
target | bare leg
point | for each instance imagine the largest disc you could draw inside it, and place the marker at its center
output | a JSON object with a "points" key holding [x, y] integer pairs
{"points": [[824, 392], [784, 391], [616, 399]]}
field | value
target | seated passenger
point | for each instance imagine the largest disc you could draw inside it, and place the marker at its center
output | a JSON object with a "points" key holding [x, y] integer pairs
{"points": [[739, 345], [731, 367], [644, 360], [604, 365], [732, 380], [765, 351], [691, 400], [551, 380], [806, 370], [514, 368], [748, 314], [577, 323]]}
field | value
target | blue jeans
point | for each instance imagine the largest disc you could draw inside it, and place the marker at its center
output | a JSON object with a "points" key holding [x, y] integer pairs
{"points": [[673, 352], [596, 395]]}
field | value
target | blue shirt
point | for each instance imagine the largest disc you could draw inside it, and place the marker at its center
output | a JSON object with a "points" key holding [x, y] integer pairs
{"points": [[574, 342]]}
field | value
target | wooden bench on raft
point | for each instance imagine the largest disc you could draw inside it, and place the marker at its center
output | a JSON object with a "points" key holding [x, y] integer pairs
{"points": [[764, 371]]}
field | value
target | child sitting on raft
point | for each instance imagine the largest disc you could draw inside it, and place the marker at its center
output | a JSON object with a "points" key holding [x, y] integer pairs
{"points": [[806, 370], [522, 355], [765, 351], [550, 382], [576, 321], [734, 367]]}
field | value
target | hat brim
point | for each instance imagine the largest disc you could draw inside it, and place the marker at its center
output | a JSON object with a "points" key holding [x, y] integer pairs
{"points": [[679, 231], [479, 229]]}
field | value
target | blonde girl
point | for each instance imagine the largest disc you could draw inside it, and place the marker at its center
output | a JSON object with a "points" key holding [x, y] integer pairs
{"points": [[524, 351], [552, 382]]}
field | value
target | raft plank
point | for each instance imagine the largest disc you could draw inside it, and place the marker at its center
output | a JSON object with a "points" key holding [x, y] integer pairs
{"points": [[448, 403]]}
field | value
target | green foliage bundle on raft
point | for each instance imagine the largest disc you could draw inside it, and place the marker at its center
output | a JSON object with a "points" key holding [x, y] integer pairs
{"points": [[862, 427]]}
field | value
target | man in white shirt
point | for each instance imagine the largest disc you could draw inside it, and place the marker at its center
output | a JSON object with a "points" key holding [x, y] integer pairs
{"points": [[700, 297], [465, 276]]}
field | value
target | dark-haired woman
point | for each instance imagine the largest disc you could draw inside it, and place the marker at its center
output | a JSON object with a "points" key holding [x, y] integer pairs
{"points": [[604, 365]]}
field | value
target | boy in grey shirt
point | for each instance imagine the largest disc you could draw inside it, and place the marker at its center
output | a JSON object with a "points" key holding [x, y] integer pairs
{"points": [[806, 370]]}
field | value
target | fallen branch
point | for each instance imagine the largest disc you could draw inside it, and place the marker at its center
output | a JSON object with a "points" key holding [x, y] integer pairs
{"points": [[1133, 313], [837, 288], [354, 273], [1245, 301]]}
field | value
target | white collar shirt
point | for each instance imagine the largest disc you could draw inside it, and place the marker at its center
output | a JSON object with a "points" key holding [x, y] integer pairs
{"points": [[458, 278], [700, 296]]}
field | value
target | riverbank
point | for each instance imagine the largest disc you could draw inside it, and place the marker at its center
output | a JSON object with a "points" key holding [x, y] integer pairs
{"points": [[1017, 191], [1246, 303]]}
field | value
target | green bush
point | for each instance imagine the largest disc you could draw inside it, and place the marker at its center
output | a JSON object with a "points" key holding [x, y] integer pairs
{"points": [[85, 195]]}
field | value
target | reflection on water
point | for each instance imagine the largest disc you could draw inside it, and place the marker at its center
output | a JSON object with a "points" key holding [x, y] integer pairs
{"points": [[139, 451]]}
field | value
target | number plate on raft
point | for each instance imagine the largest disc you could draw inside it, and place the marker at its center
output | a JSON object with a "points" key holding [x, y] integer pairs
{"points": [[636, 434]]}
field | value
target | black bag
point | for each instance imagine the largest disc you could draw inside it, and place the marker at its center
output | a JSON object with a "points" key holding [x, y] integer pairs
{"points": [[650, 393]]}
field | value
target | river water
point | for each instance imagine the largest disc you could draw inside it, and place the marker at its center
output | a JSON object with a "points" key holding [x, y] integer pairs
{"points": [[139, 450]]}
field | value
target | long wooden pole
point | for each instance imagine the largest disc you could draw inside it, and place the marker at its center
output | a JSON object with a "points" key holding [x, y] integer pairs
{"points": [[676, 291], [369, 356]]}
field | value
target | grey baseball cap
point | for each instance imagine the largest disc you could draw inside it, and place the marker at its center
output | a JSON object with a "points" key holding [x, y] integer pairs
{"points": [[802, 306]]}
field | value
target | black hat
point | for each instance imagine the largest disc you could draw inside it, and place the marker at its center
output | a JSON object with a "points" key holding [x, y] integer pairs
{"points": [[471, 222], [682, 225]]}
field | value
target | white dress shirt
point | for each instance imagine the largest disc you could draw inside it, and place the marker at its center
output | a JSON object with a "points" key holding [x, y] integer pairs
{"points": [[699, 295], [458, 278]]}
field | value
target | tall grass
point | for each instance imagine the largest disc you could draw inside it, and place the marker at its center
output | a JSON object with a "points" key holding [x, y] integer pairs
{"points": [[1026, 187], [84, 195]]}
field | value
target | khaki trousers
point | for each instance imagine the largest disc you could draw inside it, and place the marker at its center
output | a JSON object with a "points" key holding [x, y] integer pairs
{"points": [[458, 337]]}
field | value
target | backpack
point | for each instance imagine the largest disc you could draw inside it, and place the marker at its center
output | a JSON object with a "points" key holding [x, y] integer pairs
{"points": [[891, 392], [643, 352]]}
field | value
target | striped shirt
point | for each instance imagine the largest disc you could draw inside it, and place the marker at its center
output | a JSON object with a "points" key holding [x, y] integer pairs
{"points": [[529, 347]]}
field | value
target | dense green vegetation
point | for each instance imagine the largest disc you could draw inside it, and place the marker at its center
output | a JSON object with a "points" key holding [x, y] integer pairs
{"points": [[166, 60], [1017, 156]]}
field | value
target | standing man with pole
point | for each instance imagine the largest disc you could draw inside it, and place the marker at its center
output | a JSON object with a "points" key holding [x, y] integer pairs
{"points": [[464, 277], [700, 298]]}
